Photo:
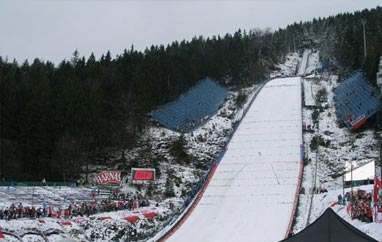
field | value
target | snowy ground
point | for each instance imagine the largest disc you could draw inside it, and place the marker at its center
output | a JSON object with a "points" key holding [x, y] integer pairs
{"points": [[303, 63], [54, 196], [244, 183], [324, 200], [258, 175], [309, 99], [204, 144], [327, 163], [289, 68]]}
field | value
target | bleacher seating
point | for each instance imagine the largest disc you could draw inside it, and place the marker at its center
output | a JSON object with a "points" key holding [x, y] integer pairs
{"points": [[356, 100], [193, 108]]}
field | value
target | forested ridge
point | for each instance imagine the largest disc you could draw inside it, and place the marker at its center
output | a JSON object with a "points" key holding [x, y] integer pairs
{"points": [[56, 118], [340, 39]]}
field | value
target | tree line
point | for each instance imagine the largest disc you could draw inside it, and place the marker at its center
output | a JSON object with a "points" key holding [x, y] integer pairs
{"points": [[340, 39], [56, 119]]}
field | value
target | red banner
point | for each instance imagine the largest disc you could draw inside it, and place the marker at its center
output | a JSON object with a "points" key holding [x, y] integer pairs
{"points": [[132, 218], [107, 177], [142, 174], [359, 122]]}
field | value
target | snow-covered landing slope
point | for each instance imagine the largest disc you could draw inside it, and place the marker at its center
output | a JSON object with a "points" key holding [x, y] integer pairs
{"points": [[304, 62], [251, 195]]}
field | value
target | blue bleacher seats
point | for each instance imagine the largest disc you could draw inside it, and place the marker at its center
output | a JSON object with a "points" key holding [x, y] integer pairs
{"points": [[193, 108], [356, 100]]}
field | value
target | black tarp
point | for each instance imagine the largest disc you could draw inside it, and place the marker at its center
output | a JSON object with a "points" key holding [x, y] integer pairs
{"points": [[329, 227]]}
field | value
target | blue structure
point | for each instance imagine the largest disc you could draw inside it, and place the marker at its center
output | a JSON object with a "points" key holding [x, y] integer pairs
{"points": [[193, 108], [356, 101], [326, 66]]}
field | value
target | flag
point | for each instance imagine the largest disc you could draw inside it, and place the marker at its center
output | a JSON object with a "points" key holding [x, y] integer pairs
{"points": [[2, 235], [377, 186]]}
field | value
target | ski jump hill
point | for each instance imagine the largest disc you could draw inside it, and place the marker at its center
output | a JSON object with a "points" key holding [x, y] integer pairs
{"points": [[251, 195]]}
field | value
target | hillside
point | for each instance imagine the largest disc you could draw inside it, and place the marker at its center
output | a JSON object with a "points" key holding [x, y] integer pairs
{"points": [[56, 119], [64, 124]]}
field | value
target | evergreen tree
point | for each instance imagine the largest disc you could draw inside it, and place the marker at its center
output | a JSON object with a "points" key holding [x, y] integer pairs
{"points": [[54, 120]]}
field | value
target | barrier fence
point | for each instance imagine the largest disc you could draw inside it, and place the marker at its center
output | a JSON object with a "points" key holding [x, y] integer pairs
{"points": [[295, 203], [299, 181]]}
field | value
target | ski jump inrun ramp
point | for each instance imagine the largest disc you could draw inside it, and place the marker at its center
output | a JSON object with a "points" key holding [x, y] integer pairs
{"points": [[252, 192]]}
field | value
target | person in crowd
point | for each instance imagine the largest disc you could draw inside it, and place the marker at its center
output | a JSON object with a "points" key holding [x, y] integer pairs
{"points": [[339, 199], [302, 190]]}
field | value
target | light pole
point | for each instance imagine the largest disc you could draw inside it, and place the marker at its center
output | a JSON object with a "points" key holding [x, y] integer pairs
{"points": [[32, 197], [379, 119], [379, 83], [363, 21], [379, 129], [351, 180]]}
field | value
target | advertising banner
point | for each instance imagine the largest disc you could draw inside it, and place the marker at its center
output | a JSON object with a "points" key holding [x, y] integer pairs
{"points": [[143, 174], [108, 177], [302, 152]]}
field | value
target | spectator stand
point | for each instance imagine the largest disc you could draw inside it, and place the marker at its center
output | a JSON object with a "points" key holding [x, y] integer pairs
{"points": [[192, 109], [356, 101]]}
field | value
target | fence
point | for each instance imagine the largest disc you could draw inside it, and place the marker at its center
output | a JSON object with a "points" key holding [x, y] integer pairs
{"points": [[298, 188]]}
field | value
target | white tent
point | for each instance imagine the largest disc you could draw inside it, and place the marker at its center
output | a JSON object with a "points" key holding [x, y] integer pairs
{"points": [[361, 173]]}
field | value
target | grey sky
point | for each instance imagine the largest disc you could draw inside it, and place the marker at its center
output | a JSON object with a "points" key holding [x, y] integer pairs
{"points": [[53, 29]]}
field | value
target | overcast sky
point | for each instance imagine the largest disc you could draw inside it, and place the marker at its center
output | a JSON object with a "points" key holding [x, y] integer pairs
{"points": [[53, 29]]}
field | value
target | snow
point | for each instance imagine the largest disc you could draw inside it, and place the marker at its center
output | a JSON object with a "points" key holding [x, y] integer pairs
{"points": [[325, 166], [304, 63], [289, 68], [312, 62], [54, 196], [219, 217], [205, 143], [308, 94], [258, 175], [325, 200], [309, 63], [252, 191]]}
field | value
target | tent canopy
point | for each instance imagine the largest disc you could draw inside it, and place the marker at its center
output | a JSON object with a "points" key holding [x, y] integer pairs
{"points": [[363, 172], [330, 227]]}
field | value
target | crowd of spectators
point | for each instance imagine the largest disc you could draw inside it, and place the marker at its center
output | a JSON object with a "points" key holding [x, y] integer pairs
{"points": [[117, 201], [359, 205]]}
